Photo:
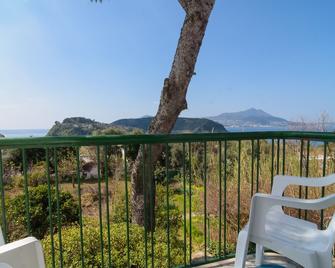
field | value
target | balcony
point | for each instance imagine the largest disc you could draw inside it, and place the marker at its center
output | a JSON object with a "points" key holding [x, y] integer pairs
{"points": [[74, 193]]}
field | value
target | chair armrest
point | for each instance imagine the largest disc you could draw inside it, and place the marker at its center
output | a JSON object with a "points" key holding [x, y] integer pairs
{"points": [[280, 182], [26, 252], [308, 204]]}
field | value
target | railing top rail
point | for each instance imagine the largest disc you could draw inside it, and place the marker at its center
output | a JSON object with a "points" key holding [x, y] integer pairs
{"points": [[42, 142]]}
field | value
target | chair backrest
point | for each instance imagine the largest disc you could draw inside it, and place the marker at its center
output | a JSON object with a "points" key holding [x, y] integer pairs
{"points": [[282, 181]]}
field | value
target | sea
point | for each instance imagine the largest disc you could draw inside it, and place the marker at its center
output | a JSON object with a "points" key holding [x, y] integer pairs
{"points": [[257, 129], [23, 133], [26, 133]]}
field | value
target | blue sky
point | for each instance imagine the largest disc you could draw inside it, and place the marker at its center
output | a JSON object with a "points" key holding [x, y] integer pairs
{"points": [[61, 58]]}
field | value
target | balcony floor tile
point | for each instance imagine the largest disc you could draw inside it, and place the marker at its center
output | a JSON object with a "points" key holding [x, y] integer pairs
{"points": [[270, 258]]}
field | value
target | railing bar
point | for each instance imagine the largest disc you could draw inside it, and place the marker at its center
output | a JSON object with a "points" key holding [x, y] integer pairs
{"points": [[239, 187], [80, 208], [220, 199], [167, 201], [100, 208], [324, 168], [278, 155], [145, 208], [26, 192], [106, 147], [284, 153], [225, 200], [160, 139], [127, 204], [205, 200], [3, 204], [184, 207], [152, 212], [252, 167], [272, 160], [47, 157], [190, 198], [307, 173], [59, 219], [258, 158], [301, 169]]}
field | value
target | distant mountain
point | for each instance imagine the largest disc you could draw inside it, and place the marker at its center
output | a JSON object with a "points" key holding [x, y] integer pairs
{"points": [[183, 125], [249, 118], [2, 136], [80, 126]]}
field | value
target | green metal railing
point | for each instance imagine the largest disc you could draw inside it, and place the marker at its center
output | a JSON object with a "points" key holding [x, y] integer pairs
{"points": [[208, 190]]}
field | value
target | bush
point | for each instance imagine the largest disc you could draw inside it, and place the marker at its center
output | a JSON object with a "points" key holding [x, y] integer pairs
{"points": [[38, 208], [92, 250], [118, 213], [175, 215], [35, 176]]}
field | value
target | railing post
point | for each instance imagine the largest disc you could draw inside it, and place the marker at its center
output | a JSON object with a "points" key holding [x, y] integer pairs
{"points": [[127, 200], [26, 190], [3, 203], [80, 209], [47, 161]]}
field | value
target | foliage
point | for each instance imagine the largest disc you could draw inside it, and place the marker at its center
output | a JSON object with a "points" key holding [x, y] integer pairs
{"points": [[67, 166], [175, 218], [35, 177], [119, 208], [118, 243], [14, 157], [33, 156], [38, 211]]}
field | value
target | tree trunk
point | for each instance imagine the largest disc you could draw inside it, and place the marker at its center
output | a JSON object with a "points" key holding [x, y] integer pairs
{"points": [[172, 102]]}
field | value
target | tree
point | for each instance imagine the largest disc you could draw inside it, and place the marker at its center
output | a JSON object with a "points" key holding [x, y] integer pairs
{"points": [[172, 100], [324, 121]]}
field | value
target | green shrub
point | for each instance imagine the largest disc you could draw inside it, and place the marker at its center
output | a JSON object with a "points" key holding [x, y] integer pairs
{"points": [[92, 250], [17, 181], [39, 212], [37, 174], [175, 215], [118, 212]]}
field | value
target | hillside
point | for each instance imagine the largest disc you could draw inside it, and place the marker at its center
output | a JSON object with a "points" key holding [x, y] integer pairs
{"points": [[183, 125], [249, 118], [75, 126], [80, 126]]}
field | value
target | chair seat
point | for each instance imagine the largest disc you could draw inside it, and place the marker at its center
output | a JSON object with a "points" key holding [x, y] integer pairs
{"points": [[295, 232]]}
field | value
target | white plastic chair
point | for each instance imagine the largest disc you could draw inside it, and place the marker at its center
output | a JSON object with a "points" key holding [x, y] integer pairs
{"points": [[24, 253], [297, 239]]}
